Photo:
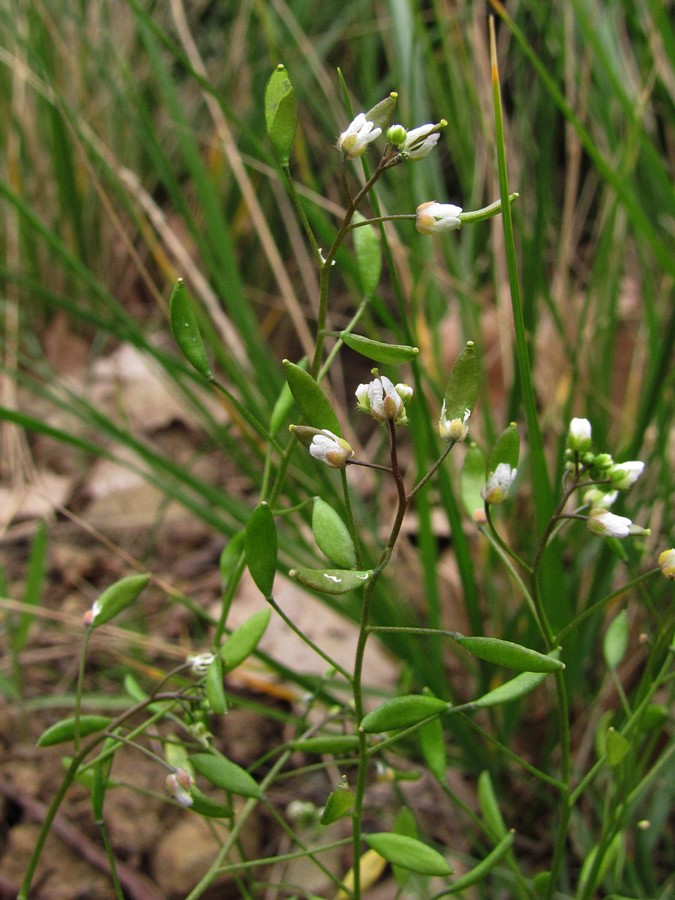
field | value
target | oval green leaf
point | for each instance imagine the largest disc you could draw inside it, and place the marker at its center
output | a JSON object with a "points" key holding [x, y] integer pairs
{"points": [[432, 744], [617, 746], [615, 643], [332, 535], [479, 872], [229, 558], [513, 689], [338, 805], [313, 403], [506, 449], [408, 853], [214, 688], [116, 598], [401, 712], [489, 807], [472, 483], [391, 354], [368, 255], [223, 773], [461, 390], [281, 114], [331, 581], [508, 654], [63, 731], [206, 806], [186, 330], [260, 547], [244, 639], [335, 744]]}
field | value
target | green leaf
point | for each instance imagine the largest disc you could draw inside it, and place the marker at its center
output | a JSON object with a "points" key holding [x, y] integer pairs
{"points": [[244, 639], [223, 773], [214, 689], [312, 402], [408, 852], [511, 690], [115, 599], [281, 410], [230, 556], [508, 654], [617, 746], [65, 729], [368, 256], [479, 872], [331, 581], [461, 390], [489, 807], [206, 806], [506, 449], [338, 805], [383, 112], [186, 330], [472, 483], [335, 744], [391, 354], [432, 743], [400, 712], [615, 643], [33, 586], [281, 114], [260, 547], [332, 535]]}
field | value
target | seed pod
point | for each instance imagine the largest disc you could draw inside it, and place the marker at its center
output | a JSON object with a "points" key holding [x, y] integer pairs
{"points": [[401, 712]]}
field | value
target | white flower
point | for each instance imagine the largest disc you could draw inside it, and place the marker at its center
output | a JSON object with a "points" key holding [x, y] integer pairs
{"points": [[598, 499], [383, 400], [499, 483], [433, 217], [453, 429], [579, 434], [355, 139], [179, 785], [607, 524], [330, 449], [200, 663], [667, 563], [624, 475], [419, 142]]}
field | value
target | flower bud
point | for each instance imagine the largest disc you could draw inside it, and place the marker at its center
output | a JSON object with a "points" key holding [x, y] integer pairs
{"points": [[624, 475], [433, 217], [607, 524], [178, 785], [419, 142], [499, 483], [667, 563], [453, 429], [599, 499], [332, 450], [396, 135], [324, 445], [353, 142], [579, 435]]}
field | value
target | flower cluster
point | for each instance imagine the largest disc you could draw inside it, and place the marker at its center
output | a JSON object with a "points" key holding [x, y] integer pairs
{"points": [[383, 400], [611, 478]]}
